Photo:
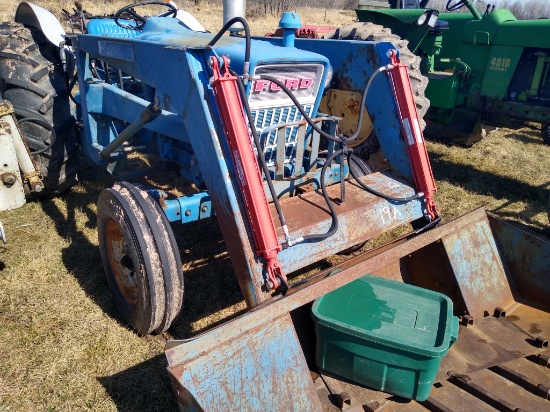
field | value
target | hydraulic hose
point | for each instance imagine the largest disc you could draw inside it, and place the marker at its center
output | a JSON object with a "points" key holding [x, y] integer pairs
{"points": [[45, 125], [261, 157], [363, 101], [247, 40], [300, 108], [376, 192], [333, 215], [343, 139], [310, 121]]}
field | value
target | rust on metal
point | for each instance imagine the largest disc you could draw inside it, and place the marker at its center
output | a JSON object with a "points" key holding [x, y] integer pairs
{"points": [[477, 268], [468, 384], [244, 372], [525, 257], [543, 391], [342, 399], [435, 406], [322, 283], [120, 262]]}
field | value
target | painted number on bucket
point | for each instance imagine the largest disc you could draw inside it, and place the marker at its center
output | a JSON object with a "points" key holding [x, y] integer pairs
{"points": [[499, 64], [389, 213]]}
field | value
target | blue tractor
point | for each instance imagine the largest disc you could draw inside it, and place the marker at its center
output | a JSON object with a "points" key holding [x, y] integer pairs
{"points": [[158, 85], [271, 135]]}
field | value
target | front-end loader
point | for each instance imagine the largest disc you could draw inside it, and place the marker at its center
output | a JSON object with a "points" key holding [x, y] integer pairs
{"points": [[240, 118]]}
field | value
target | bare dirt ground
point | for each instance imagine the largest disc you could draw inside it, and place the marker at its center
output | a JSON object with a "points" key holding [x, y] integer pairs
{"points": [[64, 346]]}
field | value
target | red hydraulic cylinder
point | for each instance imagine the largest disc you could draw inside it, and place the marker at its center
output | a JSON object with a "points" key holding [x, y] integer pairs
{"points": [[247, 169], [410, 124]]}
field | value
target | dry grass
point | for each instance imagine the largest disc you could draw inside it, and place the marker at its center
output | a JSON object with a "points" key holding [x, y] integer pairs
{"points": [[209, 13], [63, 346]]}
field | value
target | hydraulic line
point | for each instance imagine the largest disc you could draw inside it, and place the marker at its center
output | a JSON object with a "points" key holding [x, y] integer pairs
{"points": [[247, 41], [342, 139], [338, 139], [333, 215], [261, 159], [299, 107], [45, 125], [376, 192]]}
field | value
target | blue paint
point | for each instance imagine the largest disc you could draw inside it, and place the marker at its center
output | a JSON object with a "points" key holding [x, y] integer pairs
{"points": [[263, 369], [189, 208]]}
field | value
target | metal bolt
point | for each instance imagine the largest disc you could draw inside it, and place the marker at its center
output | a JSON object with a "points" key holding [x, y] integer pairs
{"points": [[204, 208], [544, 360], [9, 179], [543, 391], [342, 399], [467, 320], [187, 212], [499, 312], [541, 342]]}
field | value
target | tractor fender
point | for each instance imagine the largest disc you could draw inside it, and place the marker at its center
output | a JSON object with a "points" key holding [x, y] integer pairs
{"points": [[188, 20], [35, 16]]}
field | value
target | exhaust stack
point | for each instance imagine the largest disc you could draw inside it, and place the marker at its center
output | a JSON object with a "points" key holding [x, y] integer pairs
{"points": [[234, 8]]}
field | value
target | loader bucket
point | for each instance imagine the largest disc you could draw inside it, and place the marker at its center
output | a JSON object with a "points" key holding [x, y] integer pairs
{"points": [[263, 360]]}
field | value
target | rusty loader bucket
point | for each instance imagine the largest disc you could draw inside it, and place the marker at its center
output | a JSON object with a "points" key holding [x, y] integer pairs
{"points": [[496, 275]]}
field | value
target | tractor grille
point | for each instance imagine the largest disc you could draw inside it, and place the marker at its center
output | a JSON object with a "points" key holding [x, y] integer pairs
{"points": [[267, 117], [271, 106]]}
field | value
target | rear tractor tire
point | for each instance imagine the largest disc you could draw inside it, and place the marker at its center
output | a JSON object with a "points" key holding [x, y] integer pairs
{"points": [[140, 258], [545, 133], [374, 32], [33, 81]]}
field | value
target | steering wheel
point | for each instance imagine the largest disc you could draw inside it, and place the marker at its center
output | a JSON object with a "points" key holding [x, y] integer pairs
{"points": [[139, 19], [453, 5]]}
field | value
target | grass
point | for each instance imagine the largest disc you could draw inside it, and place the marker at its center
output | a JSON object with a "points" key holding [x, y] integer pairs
{"points": [[64, 347]]}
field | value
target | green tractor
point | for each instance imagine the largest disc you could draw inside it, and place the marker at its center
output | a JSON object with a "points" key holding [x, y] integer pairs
{"points": [[489, 69]]}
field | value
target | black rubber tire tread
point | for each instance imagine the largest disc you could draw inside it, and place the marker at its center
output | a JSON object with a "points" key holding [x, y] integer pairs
{"points": [[151, 246], [117, 204], [375, 32], [545, 133], [168, 252], [33, 81]]}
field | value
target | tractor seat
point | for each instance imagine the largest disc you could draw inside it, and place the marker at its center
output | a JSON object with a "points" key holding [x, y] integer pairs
{"points": [[107, 27]]}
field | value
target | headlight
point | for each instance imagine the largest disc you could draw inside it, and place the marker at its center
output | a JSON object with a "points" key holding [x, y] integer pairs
{"points": [[429, 17], [422, 19], [434, 15]]}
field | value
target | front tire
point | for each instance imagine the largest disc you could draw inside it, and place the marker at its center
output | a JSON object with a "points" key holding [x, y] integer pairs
{"points": [[140, 258]]}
